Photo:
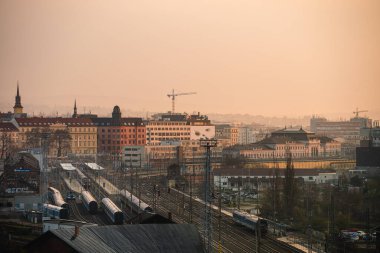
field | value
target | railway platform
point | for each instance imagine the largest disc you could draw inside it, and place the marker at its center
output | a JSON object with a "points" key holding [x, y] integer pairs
{"points": [[73, 185], [110, 188], [288, 240]]}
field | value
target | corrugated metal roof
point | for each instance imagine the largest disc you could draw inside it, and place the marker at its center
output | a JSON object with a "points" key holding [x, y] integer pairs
{"points": [[134, 238]]}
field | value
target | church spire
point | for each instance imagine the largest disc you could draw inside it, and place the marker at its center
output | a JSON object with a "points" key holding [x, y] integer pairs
{"points": [[75, 115], [18, 107]]}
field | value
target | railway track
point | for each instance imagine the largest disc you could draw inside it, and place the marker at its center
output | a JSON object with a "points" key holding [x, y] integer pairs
{"points": [[233, 237], [75, 212], [79, 212]]}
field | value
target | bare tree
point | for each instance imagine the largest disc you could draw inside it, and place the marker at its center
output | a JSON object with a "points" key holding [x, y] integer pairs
{"points": [[60, 139], [6, 144], [289, 187], [33, 138]]}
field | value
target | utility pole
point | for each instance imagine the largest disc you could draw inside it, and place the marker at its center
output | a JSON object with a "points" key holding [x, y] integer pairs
{"points": [[131, 178], [192, 177], [239, 181], [208, 200], [258, 235], [220, 214], [45, 165]]}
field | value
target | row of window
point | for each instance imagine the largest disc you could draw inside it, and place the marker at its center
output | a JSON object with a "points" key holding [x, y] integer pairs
{"points": [[123, 136], [85, 137], [167, 123], [168, 139], [122, 142], [170, 134], [123, 130], [84, 143], [169, 129], [82, 129], [283, 155], [85, 151]]}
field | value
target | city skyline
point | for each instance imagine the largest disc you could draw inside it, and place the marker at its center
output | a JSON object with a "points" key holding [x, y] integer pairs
{"points": [[271, 59]]}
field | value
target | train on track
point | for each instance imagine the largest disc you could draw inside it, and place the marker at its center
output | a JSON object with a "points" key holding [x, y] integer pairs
{"points": [[250, 221], [216, 208], [83, 179], [55, 211], [56, 197], [113, 212], [89, 202], [243, 218], [137, 204]]}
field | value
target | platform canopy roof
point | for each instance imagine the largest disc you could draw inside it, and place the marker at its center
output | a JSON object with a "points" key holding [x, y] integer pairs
{"points": [[94, 166], [141, 238], [67, 166]]}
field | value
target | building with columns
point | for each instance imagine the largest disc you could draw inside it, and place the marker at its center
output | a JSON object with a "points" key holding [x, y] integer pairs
{"points": [[301, 144]]}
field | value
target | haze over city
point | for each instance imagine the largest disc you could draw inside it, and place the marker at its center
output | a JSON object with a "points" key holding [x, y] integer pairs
{"points": [[269, 58]]}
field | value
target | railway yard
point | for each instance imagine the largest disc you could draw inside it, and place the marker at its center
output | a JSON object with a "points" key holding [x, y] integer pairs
{"points": [[227, 235]]}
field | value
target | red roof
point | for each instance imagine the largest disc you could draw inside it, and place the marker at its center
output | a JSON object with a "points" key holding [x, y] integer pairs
{"points": [[8, 127], [37, 121]]}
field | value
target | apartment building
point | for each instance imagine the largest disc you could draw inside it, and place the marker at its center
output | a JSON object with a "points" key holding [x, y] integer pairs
{"points": [[178, 127], [227, 133], [114, 133], [82, 133]]}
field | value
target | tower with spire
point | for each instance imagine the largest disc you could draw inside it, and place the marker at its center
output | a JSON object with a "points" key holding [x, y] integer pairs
{"points": [[75, 114], [17, 109]]}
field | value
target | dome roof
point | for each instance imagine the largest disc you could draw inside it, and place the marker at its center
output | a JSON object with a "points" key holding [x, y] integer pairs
{"points": [[116, 109]]}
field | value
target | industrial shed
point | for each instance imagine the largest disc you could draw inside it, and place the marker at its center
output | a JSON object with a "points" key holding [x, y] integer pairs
{"points": [[166, 238]]}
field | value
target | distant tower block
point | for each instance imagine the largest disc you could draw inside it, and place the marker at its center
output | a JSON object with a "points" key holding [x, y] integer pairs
{"points": [[18, 107]]}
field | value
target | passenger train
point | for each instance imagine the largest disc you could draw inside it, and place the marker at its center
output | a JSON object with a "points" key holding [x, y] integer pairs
{"points": [[83, 179], [243, 218], [134, 202], [89, 202], [250, 221], [55, 211], [56, 197], [113, 212]]}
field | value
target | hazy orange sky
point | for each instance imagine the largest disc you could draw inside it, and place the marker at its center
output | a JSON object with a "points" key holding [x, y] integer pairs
{"points": [[267, 57]]}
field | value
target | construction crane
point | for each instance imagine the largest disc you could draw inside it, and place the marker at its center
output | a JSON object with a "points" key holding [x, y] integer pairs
{"points": [[173, 95], [357, 112]]}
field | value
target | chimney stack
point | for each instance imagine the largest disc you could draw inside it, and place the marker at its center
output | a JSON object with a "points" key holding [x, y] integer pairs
{"points": [[76, 231]]}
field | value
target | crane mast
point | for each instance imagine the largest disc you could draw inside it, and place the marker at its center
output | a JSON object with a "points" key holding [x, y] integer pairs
{"points": [[357, 112], [173, 95]]}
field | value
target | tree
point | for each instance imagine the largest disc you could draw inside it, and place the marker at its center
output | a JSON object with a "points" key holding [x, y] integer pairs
{"points": [[271, 204], [6, 144], [289, 187], [58, 140], [356, 181], [61, 139], [34, 137]]}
